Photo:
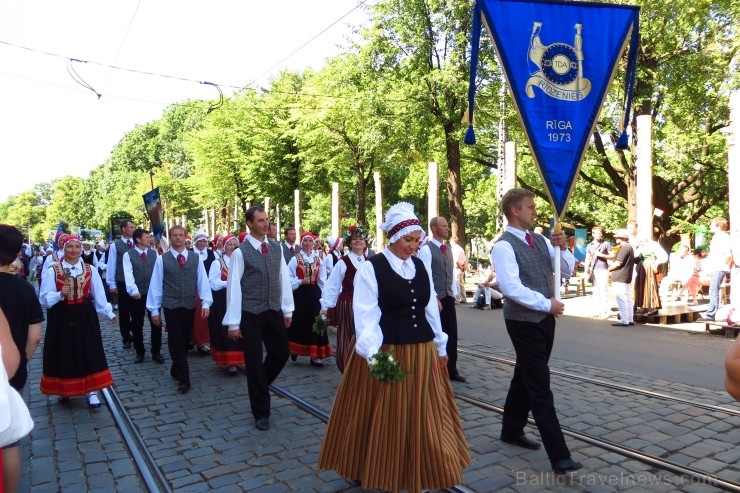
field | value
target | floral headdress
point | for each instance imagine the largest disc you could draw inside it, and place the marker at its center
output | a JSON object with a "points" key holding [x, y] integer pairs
{"points": [[356, 232]]}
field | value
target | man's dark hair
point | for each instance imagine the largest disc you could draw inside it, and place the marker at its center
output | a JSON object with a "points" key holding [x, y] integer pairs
{"points": [[138, 233], [251, 211], [289, 229], [513, 198], [124, 223]]}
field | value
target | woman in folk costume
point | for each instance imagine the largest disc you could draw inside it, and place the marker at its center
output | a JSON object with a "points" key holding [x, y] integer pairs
{"points": [[333, 250], [224, 351], [650, 255], [74, 361], [396, 435], [339, 290], [307, 277], [201, 331]]}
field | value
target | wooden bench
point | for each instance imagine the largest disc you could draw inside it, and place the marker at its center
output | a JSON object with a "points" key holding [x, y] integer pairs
{"points": [[669, 315], [715, 327]]}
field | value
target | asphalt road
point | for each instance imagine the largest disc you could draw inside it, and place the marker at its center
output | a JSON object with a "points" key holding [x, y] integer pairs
{"points": [[660, 352]]}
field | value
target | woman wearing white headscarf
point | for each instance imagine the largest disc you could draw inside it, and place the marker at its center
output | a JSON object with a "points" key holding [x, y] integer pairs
{"points": [[397, 435]]}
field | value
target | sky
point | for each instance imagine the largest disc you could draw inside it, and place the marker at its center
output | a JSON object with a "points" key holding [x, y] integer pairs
{"points": [[51, 126]]}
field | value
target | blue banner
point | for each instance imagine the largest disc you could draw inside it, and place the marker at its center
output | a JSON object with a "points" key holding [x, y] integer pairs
{"points": [[154, 211], [559, 59]]}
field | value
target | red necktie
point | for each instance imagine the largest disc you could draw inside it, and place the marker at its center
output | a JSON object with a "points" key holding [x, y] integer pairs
{"points": [[444, 249], [129, 243], [143, 256], [528, 237], [292, 251], [264, 249], [181, 260]]}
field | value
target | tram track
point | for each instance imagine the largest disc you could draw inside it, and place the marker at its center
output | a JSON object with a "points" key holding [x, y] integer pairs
{"points": [[151, 474], [695, 474], [324, 417], [610, 385]]}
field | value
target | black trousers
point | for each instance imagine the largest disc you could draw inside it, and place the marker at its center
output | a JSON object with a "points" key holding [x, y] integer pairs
{"points": [[448, 319], [124, 312], [179, 330], [138, 310], [530, 386], [266, 328]]}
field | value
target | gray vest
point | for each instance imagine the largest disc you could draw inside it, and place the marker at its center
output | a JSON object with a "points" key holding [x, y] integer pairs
{"points": [[442, 266], [142, 270], [535, 272], [179, 284], [261, 280], [121, 248]]}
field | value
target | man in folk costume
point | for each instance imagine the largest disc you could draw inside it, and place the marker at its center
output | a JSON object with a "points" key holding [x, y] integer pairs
{"points": [[138, 265], [74, 361], [289, 246], [224, 351], [116, 281], [396, 435], [259, 307], [178, 275], [529, 313], [339, 290], [437, 256], [201, 336], [272, 233], [307, 276]]}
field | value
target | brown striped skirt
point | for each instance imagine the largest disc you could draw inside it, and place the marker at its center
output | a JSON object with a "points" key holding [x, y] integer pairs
{"points": [[397, 436]]}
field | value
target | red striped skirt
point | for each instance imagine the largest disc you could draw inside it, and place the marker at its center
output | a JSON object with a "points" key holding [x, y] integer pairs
{"points": [[201, 333], [397, 436]]}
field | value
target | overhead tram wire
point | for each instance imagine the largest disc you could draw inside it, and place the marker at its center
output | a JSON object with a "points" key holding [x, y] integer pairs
{"points": [[360, 4], [123, 41]]}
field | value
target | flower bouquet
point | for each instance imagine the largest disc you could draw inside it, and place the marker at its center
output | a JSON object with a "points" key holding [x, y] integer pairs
{"points": [[320, 324], [385, 368]]}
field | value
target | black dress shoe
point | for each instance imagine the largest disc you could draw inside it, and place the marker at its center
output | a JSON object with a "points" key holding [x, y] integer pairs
{"points": [[139, 358], [262, 424], [620, 325], [317, 363], [183, 388], [157, 358], [632, 323], [126, 344], [293, 357], [565, 465], [521, 441], [63, 400], [458, 378]]}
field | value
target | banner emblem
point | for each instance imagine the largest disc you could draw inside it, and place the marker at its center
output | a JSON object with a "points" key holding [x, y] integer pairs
{"points": [[557, 69], [558, 88]]}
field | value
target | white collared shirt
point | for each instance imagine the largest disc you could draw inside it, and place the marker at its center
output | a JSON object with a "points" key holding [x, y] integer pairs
{"points": [[49, 296], [425, 255], [154, 296], [295, 282], [234, 307], [128, 269], [110, 273], [507, 272], [333, 287], [367, 312]]}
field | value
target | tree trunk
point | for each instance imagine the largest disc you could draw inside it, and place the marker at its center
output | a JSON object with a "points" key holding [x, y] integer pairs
{"points": [[454, 187], [361, 197]]}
